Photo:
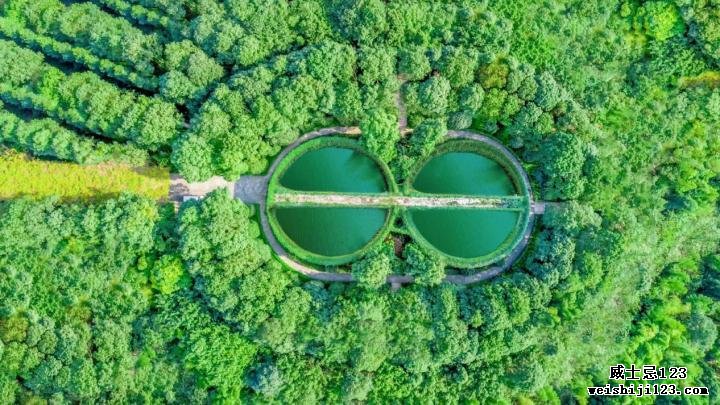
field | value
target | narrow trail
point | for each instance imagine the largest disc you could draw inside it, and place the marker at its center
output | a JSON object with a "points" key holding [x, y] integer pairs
{"points": [[386, 201], [180, 188], [400, 105]]}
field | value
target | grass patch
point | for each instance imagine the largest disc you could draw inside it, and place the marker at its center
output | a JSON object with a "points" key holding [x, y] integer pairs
{"points": [[22, 176]]}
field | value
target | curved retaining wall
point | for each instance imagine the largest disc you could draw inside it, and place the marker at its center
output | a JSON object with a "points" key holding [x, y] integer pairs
{"points": [[284, 239], [507, 161], [315, 274]]}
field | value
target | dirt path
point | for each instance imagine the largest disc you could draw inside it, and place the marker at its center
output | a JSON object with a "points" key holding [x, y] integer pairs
{"points": [[402, 110], [386, 201], [180, 188]]}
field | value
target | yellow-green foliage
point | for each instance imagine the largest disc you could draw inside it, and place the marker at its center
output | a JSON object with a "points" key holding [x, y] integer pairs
{"points": [[23, 176], [710, 79]]}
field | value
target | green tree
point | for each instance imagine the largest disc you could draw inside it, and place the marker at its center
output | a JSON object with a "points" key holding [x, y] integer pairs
{"points": [[373, 269], [563, 161], [266, 380], [168, 275], [660, 20], [380, 134], [433, 96], [426, 137], [413, 63], [427, 268], [362, 21]]}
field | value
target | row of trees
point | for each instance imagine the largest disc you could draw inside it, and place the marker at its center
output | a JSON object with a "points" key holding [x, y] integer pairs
{"points": [[246, 33], [85, 100], [83, 33], [423, 24], [174, 25], [236, 34], [66, 52], [46, 138], [86, 26]]}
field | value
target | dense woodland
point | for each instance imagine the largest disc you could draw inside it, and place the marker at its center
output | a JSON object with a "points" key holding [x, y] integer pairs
{"points": [[613, 106]]}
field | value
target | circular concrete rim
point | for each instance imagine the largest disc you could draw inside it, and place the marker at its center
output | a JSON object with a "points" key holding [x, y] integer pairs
{"points": [[315, 258], [395, 279], [511, 240]]}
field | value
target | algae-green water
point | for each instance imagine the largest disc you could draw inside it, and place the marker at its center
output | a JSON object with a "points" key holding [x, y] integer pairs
{"points": [[330, 231], [465, 233], [463, 173], [334, 169]]}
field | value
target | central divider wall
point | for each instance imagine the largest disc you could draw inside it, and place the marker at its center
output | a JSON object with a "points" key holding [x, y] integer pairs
{"points": [[274, 186]]}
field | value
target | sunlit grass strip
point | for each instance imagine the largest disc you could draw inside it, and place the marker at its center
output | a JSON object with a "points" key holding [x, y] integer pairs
{"points": [[22, 176]]}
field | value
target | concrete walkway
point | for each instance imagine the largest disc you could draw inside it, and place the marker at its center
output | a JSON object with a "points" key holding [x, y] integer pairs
{"points": [[251, 189], [388, 201], [538, 207]]}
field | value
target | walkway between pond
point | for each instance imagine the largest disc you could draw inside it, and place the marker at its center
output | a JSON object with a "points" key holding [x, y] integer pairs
{"points": [[390, 200]]}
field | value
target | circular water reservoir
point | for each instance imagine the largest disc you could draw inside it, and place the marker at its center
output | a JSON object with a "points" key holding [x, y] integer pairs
{"points": [[467, 237], [329, 235]]}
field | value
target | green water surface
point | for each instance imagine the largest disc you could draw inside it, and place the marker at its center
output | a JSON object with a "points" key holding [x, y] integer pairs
{"points": [[330, 231], [465, 233], [334, 169], [463, 173]]}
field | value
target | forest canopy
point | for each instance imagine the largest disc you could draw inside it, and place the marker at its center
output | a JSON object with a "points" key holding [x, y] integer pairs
{"points": [[612, 106]]}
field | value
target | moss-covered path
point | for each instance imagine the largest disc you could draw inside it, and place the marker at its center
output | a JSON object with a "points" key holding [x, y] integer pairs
{"points": [[391, 200]]}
